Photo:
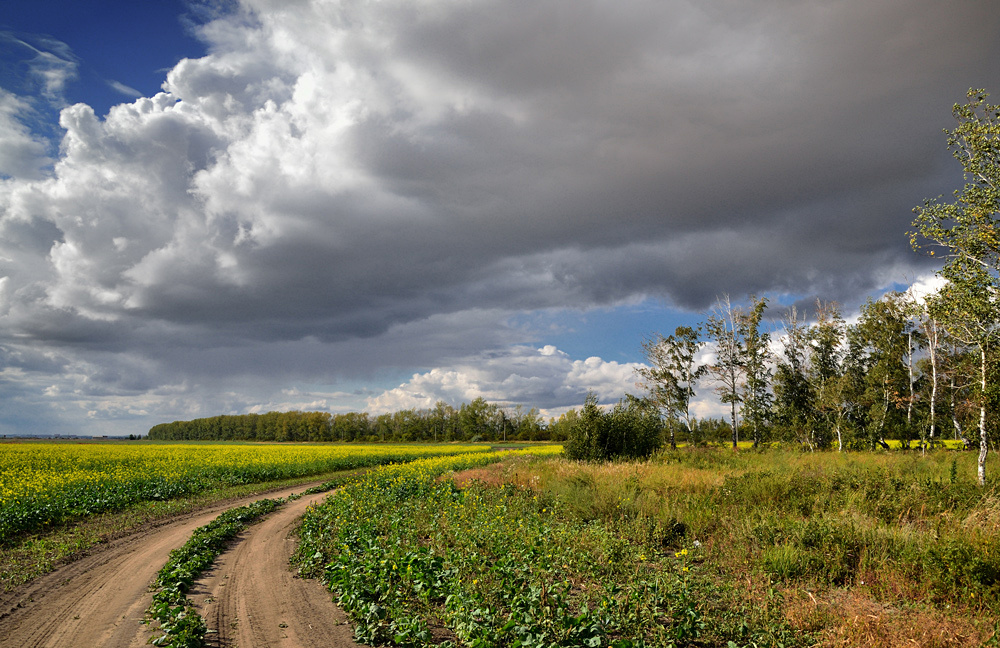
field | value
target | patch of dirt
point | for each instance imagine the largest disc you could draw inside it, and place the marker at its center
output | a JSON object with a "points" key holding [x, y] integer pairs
{"points": [[490, 475], [100, 599]]}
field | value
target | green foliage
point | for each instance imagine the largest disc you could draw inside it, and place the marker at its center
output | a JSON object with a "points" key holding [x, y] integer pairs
{"points": [[793, 396], [757, 399], [671, 375], [899, 522], [881, 337], [967, 232], [488, 421], [829, 387], [631, 430], [729, 369], [507, 567]]}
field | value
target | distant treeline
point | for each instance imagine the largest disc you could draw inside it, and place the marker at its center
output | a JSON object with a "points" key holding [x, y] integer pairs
{"points": [[475, 421]]}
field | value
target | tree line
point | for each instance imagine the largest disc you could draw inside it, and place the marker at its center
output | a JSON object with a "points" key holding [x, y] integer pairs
{"points": [[892, 375], [475, 421]]}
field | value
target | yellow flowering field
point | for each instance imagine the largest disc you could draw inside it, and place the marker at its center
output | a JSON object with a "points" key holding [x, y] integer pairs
{"points": [[46, 483]]}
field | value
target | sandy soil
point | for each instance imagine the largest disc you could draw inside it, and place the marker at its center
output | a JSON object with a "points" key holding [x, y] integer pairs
{"points": [[100, 599]]}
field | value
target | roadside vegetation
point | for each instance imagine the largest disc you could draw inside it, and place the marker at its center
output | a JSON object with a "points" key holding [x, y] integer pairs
{"points": [[695, 547], [177, 620]]}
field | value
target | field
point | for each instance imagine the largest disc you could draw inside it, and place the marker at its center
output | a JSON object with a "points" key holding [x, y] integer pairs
{"points": [[694, 548], [74, 603], [42, 484]]}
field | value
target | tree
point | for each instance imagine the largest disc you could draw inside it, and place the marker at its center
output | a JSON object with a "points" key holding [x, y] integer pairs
{"points": [[881, 329], [724, 329], [757, 358], [478, 420], [932, 335], [967, 306], [630, 430], [793, 397], [826, 375], [671, 374], [966, 230]]}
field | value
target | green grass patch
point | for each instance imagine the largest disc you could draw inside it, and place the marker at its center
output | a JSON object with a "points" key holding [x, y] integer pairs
{"points": [[886, 530]]}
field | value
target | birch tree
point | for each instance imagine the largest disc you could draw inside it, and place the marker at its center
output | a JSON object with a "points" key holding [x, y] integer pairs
{"points": [[671, 374], [723, 327], [881, 328], [931, 334], [757, 369], [793, 397], [966, 234], [967, 305], [826, 373]]}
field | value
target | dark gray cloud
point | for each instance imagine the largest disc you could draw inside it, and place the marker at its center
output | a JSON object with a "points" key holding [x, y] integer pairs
{"points": [[341, 189]]}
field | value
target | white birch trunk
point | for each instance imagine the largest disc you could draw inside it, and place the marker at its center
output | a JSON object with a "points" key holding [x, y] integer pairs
{"points": [[982, 417]]}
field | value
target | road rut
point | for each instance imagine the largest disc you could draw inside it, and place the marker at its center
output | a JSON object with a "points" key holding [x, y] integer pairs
{"points": [[100, 599], [251, 597]]}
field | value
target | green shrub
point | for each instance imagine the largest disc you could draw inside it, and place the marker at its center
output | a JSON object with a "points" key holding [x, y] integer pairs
{"points": [[631, 430]]}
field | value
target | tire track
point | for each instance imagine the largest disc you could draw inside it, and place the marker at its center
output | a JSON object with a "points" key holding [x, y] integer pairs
{"points": [[251, 597], [100, 599]]}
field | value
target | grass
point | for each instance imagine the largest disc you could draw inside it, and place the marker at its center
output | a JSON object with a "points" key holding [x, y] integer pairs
{"points": [[865, 548], [475, 560], [174, 612]]}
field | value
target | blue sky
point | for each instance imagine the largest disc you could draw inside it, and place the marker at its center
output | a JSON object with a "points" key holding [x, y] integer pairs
{"points": [[266, 204], [130, 43]]}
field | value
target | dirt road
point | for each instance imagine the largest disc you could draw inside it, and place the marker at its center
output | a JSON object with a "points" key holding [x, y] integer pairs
{"points": [[100, 599], [251, 598]]}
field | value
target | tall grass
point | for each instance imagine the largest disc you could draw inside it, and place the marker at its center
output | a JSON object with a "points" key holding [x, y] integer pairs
{"points": [[896, 530]]}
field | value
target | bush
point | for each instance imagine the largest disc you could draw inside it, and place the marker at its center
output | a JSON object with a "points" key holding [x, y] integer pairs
{"points": [[631, 430]]}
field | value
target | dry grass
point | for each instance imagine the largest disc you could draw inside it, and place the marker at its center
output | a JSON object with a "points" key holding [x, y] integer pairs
{"points": [[491, 475], [849, 618]]}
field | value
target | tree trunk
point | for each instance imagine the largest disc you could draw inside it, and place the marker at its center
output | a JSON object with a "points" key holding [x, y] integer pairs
{"points": [[959, 433], [934, 382], [736, 434], [982, 417], [932, 344], [909, 368], [881, 423]]}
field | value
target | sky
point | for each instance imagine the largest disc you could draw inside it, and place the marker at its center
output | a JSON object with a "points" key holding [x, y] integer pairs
{"points": [[252, 205]]}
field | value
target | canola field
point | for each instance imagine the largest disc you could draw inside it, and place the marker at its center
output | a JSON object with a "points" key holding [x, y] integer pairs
{"points": [[42, 484]]}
